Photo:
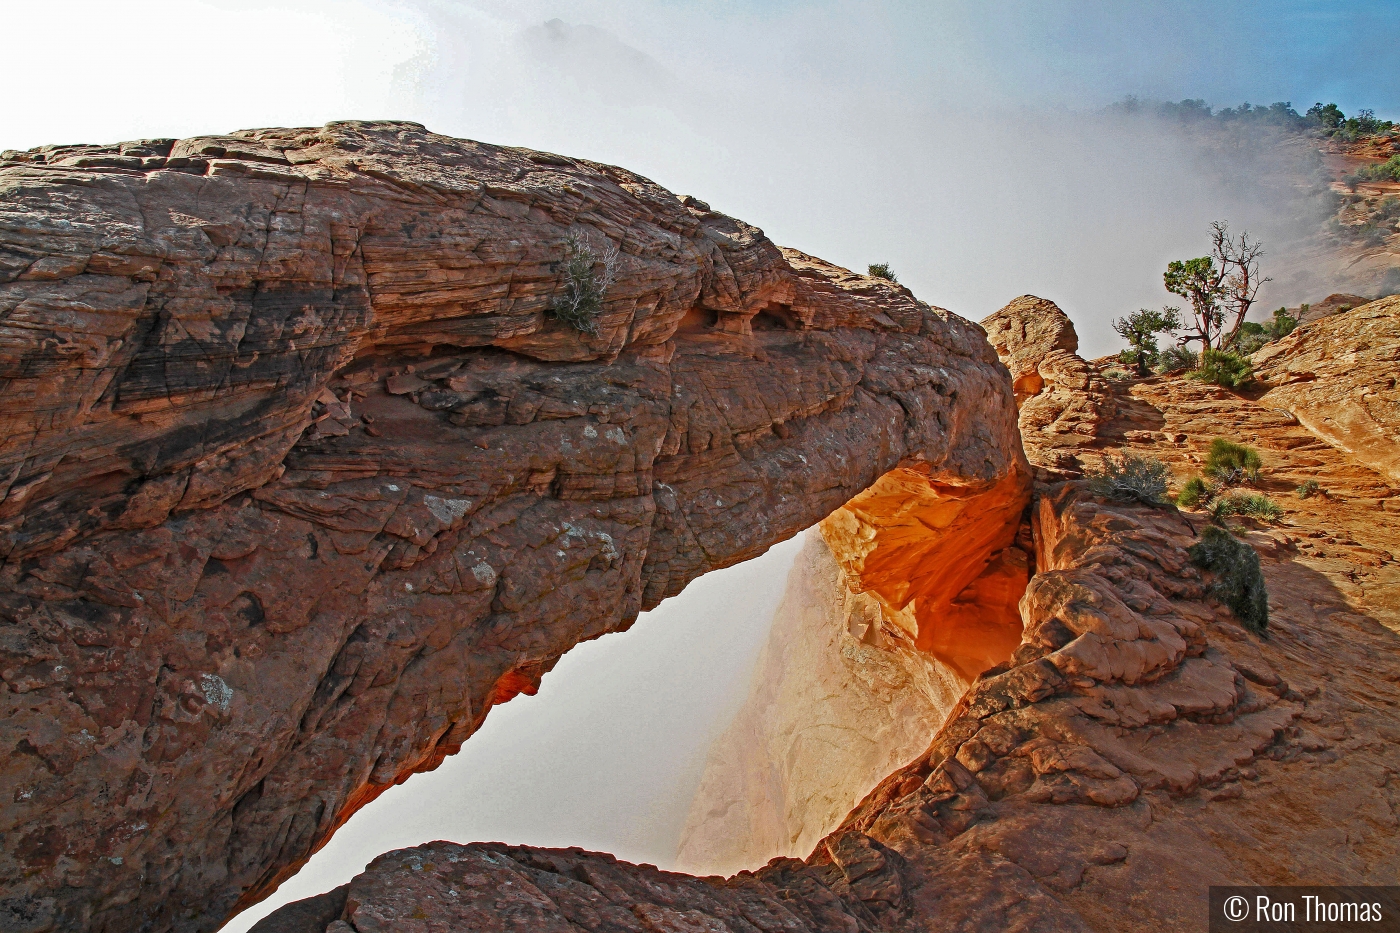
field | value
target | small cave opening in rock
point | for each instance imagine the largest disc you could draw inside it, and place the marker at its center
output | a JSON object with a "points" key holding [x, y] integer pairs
{"points": [[742, 719], [698, 320]]}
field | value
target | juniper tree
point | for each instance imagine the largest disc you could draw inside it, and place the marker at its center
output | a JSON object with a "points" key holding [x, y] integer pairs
{"points": [[1140, 329], [1202, 283]]}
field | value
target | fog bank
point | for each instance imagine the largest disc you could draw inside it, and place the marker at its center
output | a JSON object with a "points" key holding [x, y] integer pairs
{"points": [[965, 144]]}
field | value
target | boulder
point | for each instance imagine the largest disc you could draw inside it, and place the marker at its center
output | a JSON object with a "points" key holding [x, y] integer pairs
{"points": [[1063, 400], [1337, 375], [1026, 331]]}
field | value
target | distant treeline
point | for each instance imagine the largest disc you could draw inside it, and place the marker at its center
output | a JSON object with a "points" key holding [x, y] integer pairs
{"points": [[1320, 119]]}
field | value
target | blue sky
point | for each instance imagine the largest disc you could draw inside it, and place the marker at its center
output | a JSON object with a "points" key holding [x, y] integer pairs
{"points": [[1088, 52]]}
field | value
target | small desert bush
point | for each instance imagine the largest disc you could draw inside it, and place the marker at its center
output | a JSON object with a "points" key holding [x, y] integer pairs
{"points": [[1253, 505], [1193, 493], [1224, 368], [1228, 465], [881, 270], [1130, 478], [1117, 375], [1281, 325], [1252, 335], [584, 286], [1176, 359], [1307, 489], [1385, 171], [1249, 340], [1231, 464], [1239, 579]]}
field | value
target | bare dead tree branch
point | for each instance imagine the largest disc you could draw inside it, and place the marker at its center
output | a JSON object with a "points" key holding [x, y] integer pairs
{"points": [[1241, 287]]}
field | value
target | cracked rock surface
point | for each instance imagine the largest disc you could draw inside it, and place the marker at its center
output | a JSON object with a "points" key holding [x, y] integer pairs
{"points": [[1138, 746], [299, 477]]}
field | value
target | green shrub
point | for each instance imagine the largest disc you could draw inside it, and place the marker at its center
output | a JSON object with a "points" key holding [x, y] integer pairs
{"points": [[1140, 329], [1385, 171], [1130, 478], [584, 288], [1224, 368], [1230, 464], [881, 270], [1282, 324], [1220, 509], [1193, 493], [1239, 579], [1307, 489], [1176, 359], [1117, 375], [1252, 505], [1251, 337]]}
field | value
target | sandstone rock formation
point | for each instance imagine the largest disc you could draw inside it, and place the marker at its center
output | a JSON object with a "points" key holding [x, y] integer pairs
{"points": [[934, 610], [941, 564], [493, 888], [1063, 399], [1337, 375], [298, 477], [1139, 745], [1024, 333], [1332, 304], [840, 697]]}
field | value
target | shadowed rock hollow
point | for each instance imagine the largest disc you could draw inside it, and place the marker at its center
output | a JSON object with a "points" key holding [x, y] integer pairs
{"points": [[298, 478]]}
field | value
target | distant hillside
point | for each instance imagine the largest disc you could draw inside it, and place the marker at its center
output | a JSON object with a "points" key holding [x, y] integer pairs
{"points": [[1336, 178]]}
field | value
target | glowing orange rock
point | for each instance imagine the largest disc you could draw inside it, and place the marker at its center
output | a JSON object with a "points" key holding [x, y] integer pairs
{"points": [[936, 556]]}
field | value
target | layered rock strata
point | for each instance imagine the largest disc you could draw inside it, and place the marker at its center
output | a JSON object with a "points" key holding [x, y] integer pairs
{"points": [[299, 477], [1337, 375], [1139, 746]]}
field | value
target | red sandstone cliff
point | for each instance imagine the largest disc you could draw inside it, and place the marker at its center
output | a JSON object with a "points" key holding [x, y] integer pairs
{"points": [[1137, 746], [298, 478]]}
